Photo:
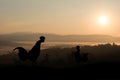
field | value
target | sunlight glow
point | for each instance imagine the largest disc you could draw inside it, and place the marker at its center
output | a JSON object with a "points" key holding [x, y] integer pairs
{"points": [[103, 20]]}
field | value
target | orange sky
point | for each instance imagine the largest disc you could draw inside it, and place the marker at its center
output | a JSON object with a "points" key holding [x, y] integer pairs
{"points": [[60, 17]]}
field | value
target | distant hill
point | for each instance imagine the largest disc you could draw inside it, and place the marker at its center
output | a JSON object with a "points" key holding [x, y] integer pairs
{"points": [[8, 43], [58, 38]]}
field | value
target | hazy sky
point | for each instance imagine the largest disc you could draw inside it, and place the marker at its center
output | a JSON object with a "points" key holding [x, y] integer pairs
{"points": [[60, 16]]}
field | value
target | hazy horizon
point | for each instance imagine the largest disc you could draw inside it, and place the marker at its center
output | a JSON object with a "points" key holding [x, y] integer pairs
{"points": [[62, 17], [72, 34]]}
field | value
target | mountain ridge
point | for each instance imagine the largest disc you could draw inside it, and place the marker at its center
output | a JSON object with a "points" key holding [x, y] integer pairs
{"points": [[50, 37]]}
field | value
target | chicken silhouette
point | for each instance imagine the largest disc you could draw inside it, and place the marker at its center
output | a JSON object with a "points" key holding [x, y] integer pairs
{"points": [[80, 57], [33, 54], [22, 53]]}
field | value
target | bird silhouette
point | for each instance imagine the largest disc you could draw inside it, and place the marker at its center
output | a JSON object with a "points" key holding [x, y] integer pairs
{"points": [[78, 56], [22, 53], [33, 54]]}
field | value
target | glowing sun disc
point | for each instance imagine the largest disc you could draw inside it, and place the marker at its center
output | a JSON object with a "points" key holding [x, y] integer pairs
{"points": [[103, 20]]}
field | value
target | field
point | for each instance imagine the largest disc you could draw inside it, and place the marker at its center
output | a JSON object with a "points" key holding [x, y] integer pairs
{"points": [[103, 60]]}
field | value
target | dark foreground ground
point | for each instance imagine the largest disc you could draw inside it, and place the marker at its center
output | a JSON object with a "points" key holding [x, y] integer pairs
{"points": [[100, 71]]}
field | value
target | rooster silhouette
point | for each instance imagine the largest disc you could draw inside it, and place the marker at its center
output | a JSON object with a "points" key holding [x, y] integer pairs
{"points": [[33, 54]]}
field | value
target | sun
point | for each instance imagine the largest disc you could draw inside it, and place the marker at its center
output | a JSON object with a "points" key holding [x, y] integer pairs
{"points": [[103, 20]]}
